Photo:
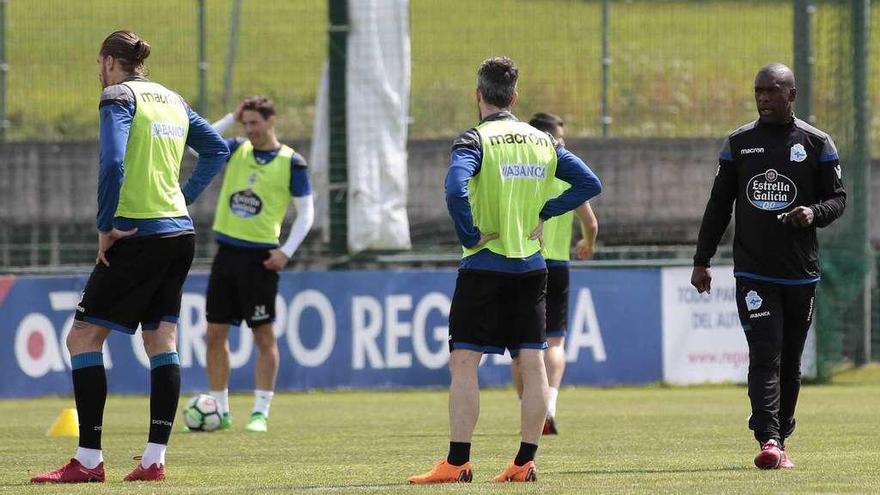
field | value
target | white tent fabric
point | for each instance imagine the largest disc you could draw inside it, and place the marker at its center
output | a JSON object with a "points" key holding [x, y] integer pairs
{"points": [[377, 99], [319, 157], [378, 85]]}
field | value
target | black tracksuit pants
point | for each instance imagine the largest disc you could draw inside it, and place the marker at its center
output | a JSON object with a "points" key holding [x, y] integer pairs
{"points": [[776, 319]]}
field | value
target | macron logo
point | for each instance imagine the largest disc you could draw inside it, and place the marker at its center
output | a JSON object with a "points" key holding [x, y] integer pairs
{"points": [[751, 151]]}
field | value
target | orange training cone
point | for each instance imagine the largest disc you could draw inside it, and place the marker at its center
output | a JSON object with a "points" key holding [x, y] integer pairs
{"points": [[67, 424]]}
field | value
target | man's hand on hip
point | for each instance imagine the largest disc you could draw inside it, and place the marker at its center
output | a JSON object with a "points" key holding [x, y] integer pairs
{"points": [[538, 233], [276, 261], [106, 241]]}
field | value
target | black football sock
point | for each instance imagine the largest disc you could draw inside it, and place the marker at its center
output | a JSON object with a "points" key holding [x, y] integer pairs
{"points": [[459, 453], [164, 393], [90, 394], [526, 453]]}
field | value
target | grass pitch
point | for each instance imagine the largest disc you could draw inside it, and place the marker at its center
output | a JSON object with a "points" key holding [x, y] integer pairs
{"points": [[625, 440]]}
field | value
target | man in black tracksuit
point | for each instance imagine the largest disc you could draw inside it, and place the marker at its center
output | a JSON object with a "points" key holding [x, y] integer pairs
{"points": [[784, 176]]}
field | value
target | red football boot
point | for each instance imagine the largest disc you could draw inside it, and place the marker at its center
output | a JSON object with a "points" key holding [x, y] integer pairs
{"points": [[156, 472], [785, 463], [72, 472], [550, 426], [770, 455]]}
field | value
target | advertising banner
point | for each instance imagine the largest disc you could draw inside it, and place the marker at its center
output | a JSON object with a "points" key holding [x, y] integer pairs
{"points": [[703, 340], [355, 329]]}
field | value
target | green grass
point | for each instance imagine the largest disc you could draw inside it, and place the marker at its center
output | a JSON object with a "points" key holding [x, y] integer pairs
{"points": [[680, 68], [626, 440]]}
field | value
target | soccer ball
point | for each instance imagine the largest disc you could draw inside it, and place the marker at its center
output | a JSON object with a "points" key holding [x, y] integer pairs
{"points": [[202, 413]]}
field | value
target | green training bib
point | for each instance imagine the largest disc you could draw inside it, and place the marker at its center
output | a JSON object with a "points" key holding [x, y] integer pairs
{"points": [[156, 142], [506, 196], [557, 230], [254, 197]]}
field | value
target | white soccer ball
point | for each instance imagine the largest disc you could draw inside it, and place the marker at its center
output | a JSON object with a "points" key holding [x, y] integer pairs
{"points": [[202, 413]]}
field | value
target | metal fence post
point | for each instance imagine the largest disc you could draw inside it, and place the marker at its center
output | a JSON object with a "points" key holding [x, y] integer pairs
{"points": [[338, 155], [203, 63], [606, 68], [230, 54], [804, 61], [4, 69], [861, 156]]}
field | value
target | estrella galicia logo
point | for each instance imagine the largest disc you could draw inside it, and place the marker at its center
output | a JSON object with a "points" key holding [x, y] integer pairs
{"points": [[753, 301], [245, 203], [771, 191], [798, 153]]}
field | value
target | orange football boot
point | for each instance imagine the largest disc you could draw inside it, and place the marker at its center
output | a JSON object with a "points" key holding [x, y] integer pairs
{"points": [[526, 472], [443, 472]]}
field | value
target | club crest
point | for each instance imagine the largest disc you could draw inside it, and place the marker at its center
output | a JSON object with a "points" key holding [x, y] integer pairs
{"points": [[753, 301], [798, 153]]}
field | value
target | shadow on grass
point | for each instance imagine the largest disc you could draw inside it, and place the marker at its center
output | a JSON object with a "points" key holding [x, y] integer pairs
{"points": [[656, 471]]}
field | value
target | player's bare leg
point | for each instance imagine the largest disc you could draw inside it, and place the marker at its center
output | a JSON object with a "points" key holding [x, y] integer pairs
{"points": [[517, 378], [86, 337], [554, 361], [161, 346], [265, 371], [534, 412], [464, 394], [464, 409], [534, 401], [217, 357]]}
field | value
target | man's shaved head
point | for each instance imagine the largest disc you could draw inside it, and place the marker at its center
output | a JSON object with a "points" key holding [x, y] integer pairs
{"points": [[774, 93], [780, 72]]}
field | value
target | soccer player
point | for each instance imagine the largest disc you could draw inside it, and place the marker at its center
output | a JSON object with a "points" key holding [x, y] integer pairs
{"points": [[784, 176], [556, 251], [261, 178], [145, 248], [500, 174]]}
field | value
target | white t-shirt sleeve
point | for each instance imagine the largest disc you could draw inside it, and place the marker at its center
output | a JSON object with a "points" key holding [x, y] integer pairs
{"points": [[224, 123], [305, 217]]}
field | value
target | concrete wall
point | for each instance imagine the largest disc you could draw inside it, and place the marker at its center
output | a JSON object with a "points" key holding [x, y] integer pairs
{"points": [[654, 189]]}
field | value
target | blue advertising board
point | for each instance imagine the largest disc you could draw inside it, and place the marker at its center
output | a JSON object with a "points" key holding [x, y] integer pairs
{"points": [[346, 329]]}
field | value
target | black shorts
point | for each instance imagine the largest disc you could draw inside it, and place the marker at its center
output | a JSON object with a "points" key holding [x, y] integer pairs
{"points": [[557, 301], [142, 285], [241, 288], [494, 311]]}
